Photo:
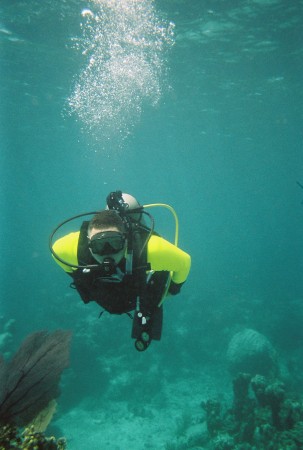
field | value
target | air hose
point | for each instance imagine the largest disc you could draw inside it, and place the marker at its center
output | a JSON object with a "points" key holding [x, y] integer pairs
{"points": [[171, 209]]}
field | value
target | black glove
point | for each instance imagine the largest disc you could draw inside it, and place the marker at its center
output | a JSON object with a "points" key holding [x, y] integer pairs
{"points": [[174, 288]]}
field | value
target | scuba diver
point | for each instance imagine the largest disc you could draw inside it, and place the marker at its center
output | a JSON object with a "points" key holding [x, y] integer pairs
{"points": [[122, 264]]}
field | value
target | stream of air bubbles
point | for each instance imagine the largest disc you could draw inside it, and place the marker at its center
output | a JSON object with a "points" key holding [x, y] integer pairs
{"points": [[124, 44]]}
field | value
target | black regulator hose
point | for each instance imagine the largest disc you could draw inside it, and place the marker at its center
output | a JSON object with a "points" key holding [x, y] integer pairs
{"points": [[74, 266], [95, 266]]}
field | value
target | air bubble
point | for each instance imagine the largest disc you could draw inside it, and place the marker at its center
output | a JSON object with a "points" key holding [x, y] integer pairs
{"points": [[125, 44]]}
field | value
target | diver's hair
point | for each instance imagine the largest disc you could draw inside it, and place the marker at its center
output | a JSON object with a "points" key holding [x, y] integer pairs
{"points": [[106, 219]]}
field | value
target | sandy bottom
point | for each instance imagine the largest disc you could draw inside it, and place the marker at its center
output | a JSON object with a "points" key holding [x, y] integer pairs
{"points": [[173, 417]]}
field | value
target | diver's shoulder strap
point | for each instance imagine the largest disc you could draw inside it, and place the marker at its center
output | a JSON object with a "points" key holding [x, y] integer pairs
{"points": [[139, 237]]}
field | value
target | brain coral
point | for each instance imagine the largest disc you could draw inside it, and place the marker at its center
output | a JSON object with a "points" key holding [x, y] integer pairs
{"points": [[251, 352]]}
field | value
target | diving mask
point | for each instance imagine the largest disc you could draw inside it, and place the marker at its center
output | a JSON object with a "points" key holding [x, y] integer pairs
{"points": [[107, 243]]}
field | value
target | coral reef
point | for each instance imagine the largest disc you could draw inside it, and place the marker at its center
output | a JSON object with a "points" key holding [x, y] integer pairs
{"points": [[11, 438], [263, 416], [251, 352], [30, 380]]}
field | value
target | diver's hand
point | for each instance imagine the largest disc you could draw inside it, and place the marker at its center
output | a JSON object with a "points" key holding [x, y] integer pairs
{"points": [[174, 288]]}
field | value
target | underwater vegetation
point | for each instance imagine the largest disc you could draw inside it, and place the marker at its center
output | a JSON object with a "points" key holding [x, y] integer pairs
{"points": [[264, 411], [12, 438], [263, 416], [29, 383]]}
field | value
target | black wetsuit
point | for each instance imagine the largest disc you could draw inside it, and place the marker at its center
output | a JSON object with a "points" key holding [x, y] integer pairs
{"points": [[133, 292]]}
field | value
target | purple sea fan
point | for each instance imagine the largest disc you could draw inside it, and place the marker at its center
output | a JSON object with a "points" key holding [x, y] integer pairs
{"points": [[31, 379]]}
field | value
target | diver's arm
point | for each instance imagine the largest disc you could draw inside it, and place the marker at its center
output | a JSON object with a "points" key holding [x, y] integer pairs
{"points": [[175, 288], [162, 255], [66, 248]]}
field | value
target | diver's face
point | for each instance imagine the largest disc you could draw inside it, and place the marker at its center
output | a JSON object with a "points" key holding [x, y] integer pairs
{"points": [[107, 243]]}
